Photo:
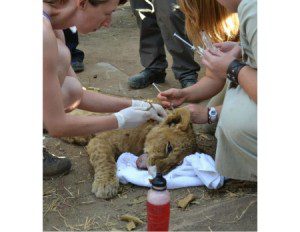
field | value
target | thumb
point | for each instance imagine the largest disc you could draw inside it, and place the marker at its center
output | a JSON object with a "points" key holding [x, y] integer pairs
{"points": [[154, 116], [218, 45]]}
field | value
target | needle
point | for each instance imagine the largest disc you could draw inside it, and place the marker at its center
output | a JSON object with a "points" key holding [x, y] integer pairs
{"points": [[200, 50], [160, 92], [156, 87]]}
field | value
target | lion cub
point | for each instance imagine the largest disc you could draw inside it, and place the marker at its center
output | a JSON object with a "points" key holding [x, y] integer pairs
{"points": [[165, 144]]}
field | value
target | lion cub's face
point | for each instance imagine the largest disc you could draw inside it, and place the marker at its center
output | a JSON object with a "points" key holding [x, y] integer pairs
{"points": [[169, 142]]}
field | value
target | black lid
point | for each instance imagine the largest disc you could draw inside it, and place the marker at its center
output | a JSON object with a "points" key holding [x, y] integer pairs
{"points": [[159, 182]]}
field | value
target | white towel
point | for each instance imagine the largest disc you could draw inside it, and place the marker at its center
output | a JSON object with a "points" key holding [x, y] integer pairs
{"points": [[196, 170]]}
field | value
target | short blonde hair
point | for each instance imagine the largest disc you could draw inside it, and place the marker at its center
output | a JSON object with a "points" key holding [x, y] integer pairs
{"points": [[210, 16]]}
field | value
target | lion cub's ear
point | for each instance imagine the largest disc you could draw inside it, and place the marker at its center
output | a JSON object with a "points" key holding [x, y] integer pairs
{"points": [[179, 118]]}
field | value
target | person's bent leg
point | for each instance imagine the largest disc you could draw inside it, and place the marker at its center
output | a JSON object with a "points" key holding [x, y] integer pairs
{"points": [[170, 20], [236, 155], [72, 93], [152, 52]]}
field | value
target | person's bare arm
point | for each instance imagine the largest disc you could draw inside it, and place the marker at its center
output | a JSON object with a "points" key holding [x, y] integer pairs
{"points": [[60, 35], [199, 113], [205, 88], [97, 102], [218, 65], [56, 121], [248, 81]]}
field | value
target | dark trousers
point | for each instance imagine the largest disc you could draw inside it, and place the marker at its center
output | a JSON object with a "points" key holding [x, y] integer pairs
{"points": [[72, 43], [156, 30]]}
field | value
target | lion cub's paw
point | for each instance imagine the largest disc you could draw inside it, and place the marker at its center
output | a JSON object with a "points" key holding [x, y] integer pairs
{"points": [[105, 189]]}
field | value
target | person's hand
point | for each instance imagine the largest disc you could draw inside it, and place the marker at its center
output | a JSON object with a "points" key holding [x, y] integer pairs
{"points": [[172, 97], [199, 113], [159, 109], [232, 48], [217, 63], [132, 117]]}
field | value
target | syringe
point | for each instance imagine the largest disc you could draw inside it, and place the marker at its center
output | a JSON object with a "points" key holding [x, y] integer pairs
{"points": [[207, 42], [200, 50], [172, 107]]}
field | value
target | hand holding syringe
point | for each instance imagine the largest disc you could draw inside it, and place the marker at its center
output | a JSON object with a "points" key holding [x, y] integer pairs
{"points": [[172, 107]]}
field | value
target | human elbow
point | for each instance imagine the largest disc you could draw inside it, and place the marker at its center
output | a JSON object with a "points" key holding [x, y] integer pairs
{"points": [[56, 133], [57, 130]]}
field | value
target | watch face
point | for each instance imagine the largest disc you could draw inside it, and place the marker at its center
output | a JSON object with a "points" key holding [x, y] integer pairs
{"points": [[213, 113]]}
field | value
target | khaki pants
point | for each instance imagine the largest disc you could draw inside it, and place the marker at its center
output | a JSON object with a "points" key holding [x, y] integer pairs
{"points": [[214, 101], [236, 155]]}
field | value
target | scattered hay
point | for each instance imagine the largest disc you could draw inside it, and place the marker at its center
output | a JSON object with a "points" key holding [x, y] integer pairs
{"points": [[56, 228], [183, 203], [138, 200], [237, 217], [128, 218], [132, 221], [130, 226], [86, 202], [71, 194]]}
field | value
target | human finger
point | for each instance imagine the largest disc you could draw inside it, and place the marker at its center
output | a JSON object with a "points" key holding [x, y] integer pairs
{"points": [[160, 110], [155, 116], [206, 62], [161, 97], [166, 104]]}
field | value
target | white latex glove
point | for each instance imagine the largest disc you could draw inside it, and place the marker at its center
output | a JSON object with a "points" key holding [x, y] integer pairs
{"points": [[159, 109], [135, 116], [138, 103]]}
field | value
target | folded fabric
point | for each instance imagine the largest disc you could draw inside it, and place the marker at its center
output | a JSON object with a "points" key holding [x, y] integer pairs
{"points": [[196, 170]]}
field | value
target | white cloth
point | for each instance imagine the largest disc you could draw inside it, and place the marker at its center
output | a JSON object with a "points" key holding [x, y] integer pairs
{"points": [[196, 170], [73, 29]]}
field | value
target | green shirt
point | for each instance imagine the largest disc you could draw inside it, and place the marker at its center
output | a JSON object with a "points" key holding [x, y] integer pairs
{"points": [[247, 12]]}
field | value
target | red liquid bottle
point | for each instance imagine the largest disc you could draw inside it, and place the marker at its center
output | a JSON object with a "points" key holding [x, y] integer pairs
{"points": [[158, 205]]}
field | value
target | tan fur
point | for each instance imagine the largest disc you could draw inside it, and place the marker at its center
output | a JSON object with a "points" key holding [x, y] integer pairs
{"points": [[151, 138]]}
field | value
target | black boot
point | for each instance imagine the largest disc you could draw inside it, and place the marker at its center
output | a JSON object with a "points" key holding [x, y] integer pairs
{"points": [[77, 66], [188, 81], [146, 77], [53, 165]]}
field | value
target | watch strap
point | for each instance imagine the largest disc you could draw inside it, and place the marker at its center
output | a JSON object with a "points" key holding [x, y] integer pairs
{"points": [[233, 70]]}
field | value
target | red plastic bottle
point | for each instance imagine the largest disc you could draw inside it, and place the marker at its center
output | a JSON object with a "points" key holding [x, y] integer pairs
{"points": [[158, 205]]}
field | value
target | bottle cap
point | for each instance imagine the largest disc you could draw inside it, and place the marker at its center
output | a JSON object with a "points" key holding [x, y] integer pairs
{"points": [[159, 182]]}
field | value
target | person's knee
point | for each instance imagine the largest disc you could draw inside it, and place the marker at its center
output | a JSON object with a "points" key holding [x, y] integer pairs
{"points": [[236, 129], [72, 90]]}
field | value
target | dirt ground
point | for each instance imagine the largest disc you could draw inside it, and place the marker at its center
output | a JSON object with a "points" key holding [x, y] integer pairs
{"points": [[68, 203]]}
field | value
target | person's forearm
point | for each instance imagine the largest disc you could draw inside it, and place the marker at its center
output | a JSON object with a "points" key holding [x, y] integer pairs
{"points": [[72, 125], [204, 89], [97, 102], [248, 81]]}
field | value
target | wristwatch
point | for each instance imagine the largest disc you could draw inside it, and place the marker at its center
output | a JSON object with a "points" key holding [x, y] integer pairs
{"points": [[233, 70], [212, 115]]}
